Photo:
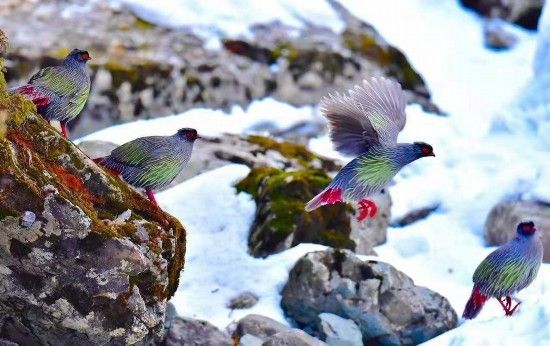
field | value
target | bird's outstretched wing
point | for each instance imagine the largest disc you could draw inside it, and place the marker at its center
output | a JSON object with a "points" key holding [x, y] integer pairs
{"points": [[140, 151], [372, 114]]}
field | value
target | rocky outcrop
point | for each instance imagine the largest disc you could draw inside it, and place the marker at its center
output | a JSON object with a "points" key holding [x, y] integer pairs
{"points": [[522, 12], [386, 305], [187, 331], [258, 330], [142, 70], [84, 259], [503, 219], [338, 331], [281, 193]]}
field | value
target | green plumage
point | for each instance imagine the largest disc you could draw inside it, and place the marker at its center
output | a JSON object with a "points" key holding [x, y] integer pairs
{"points": [[375, 170]]}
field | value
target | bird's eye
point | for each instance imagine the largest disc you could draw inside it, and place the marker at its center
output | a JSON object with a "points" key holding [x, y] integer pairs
{"points": [[425, 150], [85, 56]]}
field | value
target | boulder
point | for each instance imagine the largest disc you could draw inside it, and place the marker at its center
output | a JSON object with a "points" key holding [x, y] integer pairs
{"points": [[293, 337], [244, 300], [384, 302], [281, 190], [259, 326], [338, 331], [504, 217], [187, 331], [522, 12], [496, 36], [84, 258]]}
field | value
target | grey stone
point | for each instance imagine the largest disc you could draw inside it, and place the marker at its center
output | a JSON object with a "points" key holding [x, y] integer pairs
{"points": [[372, 231], [250, 340], [382, 301], [338, 331], [28, 219], [245, 300], [522, 12], [259, 326], [293, 337], [504, 217], [187, 331], [496, 36]]}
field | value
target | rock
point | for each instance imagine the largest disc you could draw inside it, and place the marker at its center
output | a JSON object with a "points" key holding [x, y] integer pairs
{"points": [[245, 300], [4, 45], [293, 337], [282, 186], [386, 305], [142, 70], [504, 217], [414, 216], [522, 12], [259, 326], [495, 35], [186, 331], [337, 331], [250, 340], [71, 271]]}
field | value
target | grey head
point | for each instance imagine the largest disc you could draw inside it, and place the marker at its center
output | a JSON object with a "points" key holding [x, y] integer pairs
{"points": [[77, 57], [188, 134], [403, 154]]}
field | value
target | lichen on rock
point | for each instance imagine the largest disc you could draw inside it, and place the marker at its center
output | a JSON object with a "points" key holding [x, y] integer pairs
{"points": [[84, 258]]}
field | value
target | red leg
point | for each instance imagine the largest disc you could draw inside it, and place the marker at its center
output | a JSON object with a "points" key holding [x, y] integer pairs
{"points": [[151, 197], [64, 129], [511, 311], [366, 208], [504, 305]]}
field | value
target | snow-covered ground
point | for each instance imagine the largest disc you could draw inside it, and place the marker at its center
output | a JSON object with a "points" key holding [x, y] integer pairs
{"points": [[478, 163]]}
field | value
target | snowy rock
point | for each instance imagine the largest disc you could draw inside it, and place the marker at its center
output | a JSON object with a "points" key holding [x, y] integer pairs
{"points": [[503, 219], [522, 12], [372, 231], [245, 300], [259, 326], [141, 69], [70, 272], [250, 340], [187, 331], [338, 331], [293, 337], [383, 302]]}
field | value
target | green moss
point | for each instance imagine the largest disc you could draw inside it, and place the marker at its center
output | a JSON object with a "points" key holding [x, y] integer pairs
{"points": [[288, 150], [61, 53], [142, 24], [281, 197]]}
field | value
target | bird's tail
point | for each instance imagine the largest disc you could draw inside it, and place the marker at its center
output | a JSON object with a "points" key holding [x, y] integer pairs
{"points": [[33, 94], [98, 160], [330, 195], [474, 304]]}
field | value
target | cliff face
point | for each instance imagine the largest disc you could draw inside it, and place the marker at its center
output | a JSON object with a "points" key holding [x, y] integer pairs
{"points": [[84, 258]]}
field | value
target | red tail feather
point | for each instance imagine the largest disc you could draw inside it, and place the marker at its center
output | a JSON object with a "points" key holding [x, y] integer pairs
{"points": [[98, 160], [474, 304], [328, 196], [37, 97]]}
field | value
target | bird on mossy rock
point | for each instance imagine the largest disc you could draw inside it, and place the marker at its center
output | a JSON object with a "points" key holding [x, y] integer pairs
{"points": [[60, 92], [151, 163], [506, 271], [365, 124]]}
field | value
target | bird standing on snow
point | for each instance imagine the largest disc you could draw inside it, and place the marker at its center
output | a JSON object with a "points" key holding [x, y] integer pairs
{"points": [[151, 162], [507, 270], [366, 124], [60, 92]]}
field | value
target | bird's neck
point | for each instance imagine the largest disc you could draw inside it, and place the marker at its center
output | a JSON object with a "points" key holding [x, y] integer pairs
{"points": [[401, 154], [72, 63]]}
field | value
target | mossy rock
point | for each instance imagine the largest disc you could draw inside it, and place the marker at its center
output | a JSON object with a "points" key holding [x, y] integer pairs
{"points": [[281, 221], [76, 243]]}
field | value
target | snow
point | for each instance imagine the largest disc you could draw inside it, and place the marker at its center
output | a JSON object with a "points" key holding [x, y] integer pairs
{"points": [[491, 146]]}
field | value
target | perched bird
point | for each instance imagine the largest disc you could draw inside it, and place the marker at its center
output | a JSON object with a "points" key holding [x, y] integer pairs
{"points": [[365, 124], [60, 92], [151, 162], [507, 270]]}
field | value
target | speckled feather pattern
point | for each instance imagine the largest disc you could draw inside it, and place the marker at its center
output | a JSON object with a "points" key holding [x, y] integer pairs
{"points": [[511, 267], [150, 162]]}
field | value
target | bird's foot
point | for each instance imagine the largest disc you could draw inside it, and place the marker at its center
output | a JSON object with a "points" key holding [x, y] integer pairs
{"points": [[151, 197], [367, 208], [506, 304]]}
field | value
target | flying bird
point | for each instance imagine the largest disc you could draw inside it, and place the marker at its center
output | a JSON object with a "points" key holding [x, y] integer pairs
{"points": [[365, 124], [151, 162], [507, 270], [60, 92]]}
